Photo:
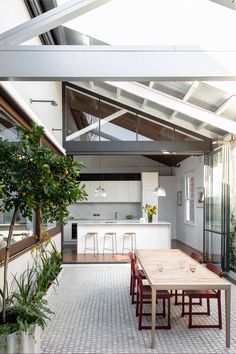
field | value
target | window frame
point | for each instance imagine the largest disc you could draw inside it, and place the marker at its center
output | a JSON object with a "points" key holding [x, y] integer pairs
{"points": [[188, 199], [20, 247]]}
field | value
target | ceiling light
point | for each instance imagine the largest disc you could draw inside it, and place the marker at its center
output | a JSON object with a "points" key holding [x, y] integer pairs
{"points": [[100, 192], [159, 191]]}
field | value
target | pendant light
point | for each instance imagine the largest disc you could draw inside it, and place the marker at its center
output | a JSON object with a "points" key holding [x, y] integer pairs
{"points": [[160, 190], [100, 191]]}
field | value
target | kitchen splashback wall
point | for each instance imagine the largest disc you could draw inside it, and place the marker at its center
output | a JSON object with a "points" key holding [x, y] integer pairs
{"points": [[105, 211]]}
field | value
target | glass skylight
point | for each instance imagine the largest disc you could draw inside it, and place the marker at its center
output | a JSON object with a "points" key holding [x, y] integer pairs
{"points": [[201, 23]]}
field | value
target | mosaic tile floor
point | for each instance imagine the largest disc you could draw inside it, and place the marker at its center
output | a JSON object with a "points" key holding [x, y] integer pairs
{"points": [[93, 314]]}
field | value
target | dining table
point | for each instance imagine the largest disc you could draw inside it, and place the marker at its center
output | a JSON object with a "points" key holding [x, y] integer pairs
{"points": [[172, 269]]}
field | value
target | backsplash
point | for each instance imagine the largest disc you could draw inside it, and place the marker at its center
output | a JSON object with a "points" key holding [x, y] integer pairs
{"points": [[103, 211]]}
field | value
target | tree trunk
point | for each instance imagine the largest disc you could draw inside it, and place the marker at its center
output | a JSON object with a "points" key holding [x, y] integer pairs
{"points": [[6, 261], [38, 223]]}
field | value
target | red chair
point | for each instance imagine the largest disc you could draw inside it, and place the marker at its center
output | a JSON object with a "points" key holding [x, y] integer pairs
{"points": [[197, 258], [133, 277], [131, 257], [204, 294], [144, 296]]}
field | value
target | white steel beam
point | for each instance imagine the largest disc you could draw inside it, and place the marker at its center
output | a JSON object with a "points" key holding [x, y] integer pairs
{"points": [[220, 110], [151, 84], [188, 94], [163, 119], [122, 63], [177, 105], [48, 20], [118, 92], [95, 125]]}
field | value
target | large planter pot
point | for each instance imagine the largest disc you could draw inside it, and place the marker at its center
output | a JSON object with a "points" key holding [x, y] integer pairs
{"points": [[21, 342]]}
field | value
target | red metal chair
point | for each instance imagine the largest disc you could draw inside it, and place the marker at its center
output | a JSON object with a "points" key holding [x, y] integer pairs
{"points": [[197, 258], [144, 296], [133, 277], [131, 257], [204, 294]]}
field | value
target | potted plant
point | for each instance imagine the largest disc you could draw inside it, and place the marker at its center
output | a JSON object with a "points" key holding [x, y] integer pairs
{"points": [[34, 179]]}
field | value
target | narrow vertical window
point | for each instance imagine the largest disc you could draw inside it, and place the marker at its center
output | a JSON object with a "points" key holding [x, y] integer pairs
{"points": [[190, 199]]}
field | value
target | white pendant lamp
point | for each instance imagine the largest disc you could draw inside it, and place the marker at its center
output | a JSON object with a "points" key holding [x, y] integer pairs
{"points": [[160, 190], [100, 191]]}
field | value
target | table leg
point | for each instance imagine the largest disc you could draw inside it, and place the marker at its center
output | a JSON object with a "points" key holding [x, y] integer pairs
{"points": [[227, 315], [153, 317]]}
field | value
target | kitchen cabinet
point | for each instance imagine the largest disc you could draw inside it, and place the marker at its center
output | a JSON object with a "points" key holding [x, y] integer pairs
{"points": [[122, 191], [149, 180], [117, 191], [149, 183], [134, 191]]}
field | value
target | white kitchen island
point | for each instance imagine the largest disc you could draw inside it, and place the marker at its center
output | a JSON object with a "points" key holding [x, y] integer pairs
{"points": [[154, 235]]}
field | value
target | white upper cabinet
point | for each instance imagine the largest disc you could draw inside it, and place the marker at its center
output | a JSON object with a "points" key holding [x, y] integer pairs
{"points": [[134, 195], [122, 191], [117, 191], [110, 189]]}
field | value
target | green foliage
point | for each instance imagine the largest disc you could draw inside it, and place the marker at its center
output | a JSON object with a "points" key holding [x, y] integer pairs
{"points": [[232, 242], [26, 305], [48, 266], [33, 176]]}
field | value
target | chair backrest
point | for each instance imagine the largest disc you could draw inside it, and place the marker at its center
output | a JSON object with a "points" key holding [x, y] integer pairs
{"points": [[197, 257], [217, 270], [139, 275], [131, 256]]}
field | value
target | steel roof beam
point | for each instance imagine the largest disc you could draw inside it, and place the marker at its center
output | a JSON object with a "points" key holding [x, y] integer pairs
{"points": [[95, 125], [48, 20], [149, 113], [161, 147], [188, 94], [220, 110], [121, 63], [176, 104]]}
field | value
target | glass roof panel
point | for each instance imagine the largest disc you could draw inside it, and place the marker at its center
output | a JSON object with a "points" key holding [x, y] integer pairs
{"points": [[200, 23]]}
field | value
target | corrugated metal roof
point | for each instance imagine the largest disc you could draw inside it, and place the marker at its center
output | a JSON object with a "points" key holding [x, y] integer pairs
{"points": [[174, 88]]}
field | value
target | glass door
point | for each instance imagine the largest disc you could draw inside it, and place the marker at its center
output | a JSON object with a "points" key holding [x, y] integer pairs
{"points": [[216, 211]]}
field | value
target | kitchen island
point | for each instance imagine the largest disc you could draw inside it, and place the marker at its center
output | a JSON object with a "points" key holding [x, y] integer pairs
{"points": [[156, 235]]}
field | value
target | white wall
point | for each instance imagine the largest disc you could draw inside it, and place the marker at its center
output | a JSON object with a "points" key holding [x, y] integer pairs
{"points": [[191, 235], [122, 164], [106, 210], [13, 13], [21, 263], [167, 205]]}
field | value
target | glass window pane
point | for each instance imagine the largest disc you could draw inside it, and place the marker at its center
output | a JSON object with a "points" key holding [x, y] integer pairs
{"points": [[8, 127]]}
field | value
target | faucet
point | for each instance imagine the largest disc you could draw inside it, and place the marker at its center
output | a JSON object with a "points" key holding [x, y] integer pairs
{"points": [[116, 215]]}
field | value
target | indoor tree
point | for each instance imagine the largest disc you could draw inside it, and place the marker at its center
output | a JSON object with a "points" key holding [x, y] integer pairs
{"points": [[33, 178]]}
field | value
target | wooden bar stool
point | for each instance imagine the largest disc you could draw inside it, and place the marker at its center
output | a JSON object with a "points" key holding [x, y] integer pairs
{"points": [[132, 237], [112, 237], [94, 237]]}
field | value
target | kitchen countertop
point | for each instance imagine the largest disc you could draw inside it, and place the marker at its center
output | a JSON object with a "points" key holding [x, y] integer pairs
{"points": [[118, 222]]}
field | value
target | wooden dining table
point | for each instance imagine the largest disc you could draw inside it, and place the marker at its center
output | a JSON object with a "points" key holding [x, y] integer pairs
{"points": [[169, 269]]}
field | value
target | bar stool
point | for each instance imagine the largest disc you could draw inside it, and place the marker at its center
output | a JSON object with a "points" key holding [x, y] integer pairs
{"points": [[132, 237], [112, 236], [94, 237]]}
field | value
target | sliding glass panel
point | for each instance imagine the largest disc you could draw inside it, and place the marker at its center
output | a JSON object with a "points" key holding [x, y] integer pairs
{"points": [[216, 216]]}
